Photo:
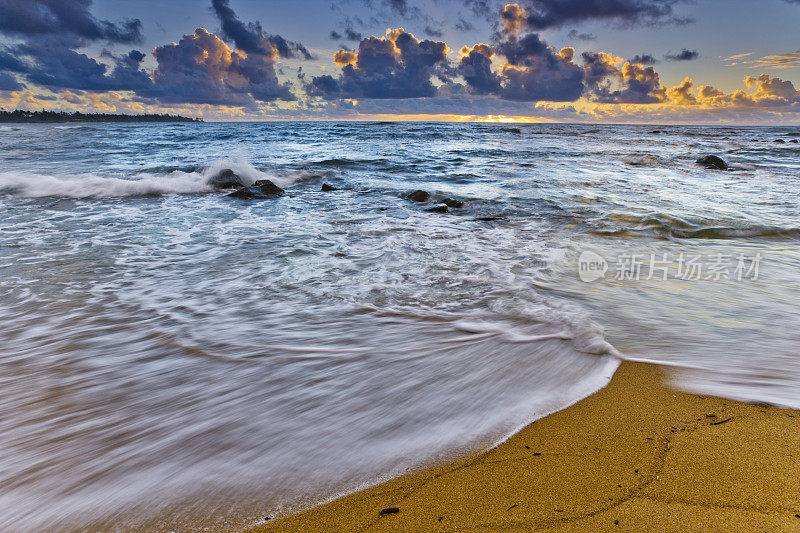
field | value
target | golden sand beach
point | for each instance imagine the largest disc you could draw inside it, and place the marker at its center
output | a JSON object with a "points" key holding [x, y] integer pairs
{"points": [[635, 456]]}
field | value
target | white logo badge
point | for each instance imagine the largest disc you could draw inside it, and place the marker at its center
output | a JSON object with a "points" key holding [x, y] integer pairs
{"points": [[591, 266]]}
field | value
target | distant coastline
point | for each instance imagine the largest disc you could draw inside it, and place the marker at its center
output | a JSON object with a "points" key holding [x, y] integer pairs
{"points": [[21, 116]]}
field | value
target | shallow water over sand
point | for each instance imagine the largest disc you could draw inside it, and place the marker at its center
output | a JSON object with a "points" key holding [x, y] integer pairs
{"points": [[160, 342]]}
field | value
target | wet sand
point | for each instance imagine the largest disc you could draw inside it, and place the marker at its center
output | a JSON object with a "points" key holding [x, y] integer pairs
{"points": [[634, 456]]}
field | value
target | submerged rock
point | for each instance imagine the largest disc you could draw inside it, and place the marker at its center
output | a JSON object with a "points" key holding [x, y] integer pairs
{"points": [[712, 161], [262, 189], [225, 179], [327, 187], [437, 209], [450, 202], [418, 196], [779, 141]]}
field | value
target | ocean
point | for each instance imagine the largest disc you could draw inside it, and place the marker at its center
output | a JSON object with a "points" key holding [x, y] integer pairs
{"points": [[177, 358]]}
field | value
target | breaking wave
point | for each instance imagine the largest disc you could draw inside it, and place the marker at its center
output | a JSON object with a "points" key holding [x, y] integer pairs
{"points": [[144, 183]]}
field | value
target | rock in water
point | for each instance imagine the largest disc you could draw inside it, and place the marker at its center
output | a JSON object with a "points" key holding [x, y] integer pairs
{"points": [[779, 141], [418, 196], [326, 188], [225, 179], [450, 202], [437, 209], [262, 189], [712, 161]]}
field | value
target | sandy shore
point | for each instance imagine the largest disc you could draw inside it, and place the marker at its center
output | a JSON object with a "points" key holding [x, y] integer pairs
{"points": [[635, 456]]}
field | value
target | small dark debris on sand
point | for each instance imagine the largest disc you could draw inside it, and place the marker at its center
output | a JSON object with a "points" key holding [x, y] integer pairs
{"points": [[515, 505], [720, 422], [390, 510]]}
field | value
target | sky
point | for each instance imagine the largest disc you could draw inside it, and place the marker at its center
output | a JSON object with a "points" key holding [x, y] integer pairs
{"points": [[605, 61]]}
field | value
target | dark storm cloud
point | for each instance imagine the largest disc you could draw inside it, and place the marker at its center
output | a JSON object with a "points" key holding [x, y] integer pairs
{"points": [[683, 55], [202, 69], [48, 17], [335, 35], [544, 14], [396, 66], [645, 59], [537, 72], [250, 37], [475, 67], [608, 83], [9, 83], [52, 62]]}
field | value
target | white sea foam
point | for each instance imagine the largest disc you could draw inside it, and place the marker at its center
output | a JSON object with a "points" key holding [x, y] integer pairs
{"points": [[92, 185]]}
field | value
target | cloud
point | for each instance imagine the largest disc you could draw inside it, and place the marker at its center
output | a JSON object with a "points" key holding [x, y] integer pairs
{"points": [[464, 25], [432, 32], [68, 17], [51, 61], [335, 35], [787, 60], [201, 68], [575, 35], [475, 66], [683, 55], [609, 79], [770, 92], [395, 66], [644, 59], [250, 37], [9, 82], [545, 14], [535, 71]]}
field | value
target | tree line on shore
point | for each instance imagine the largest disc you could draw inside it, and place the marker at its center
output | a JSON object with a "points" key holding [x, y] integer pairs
{"points": [[20, 115]]}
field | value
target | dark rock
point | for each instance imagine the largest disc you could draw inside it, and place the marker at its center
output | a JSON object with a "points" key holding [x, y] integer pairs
{"points": [[712, 161], [795, 141], [390, 510], [656, 131], [262, 189], [450, 202], [327, 187], [418, 196], [437, 209], [489, 219], [779, 141], [225, 179]]}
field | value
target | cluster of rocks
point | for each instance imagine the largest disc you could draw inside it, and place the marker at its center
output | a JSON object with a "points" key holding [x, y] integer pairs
{"points": [[443, 206], [781, 141], [261, 189]]}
